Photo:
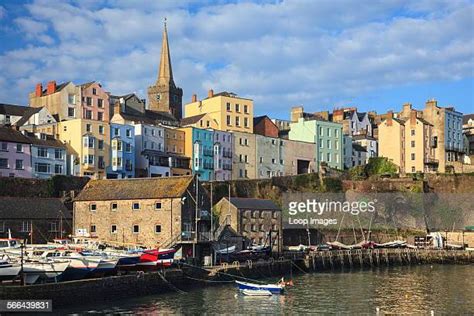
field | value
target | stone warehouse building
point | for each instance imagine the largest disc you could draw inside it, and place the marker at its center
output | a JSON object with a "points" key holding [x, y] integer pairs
{"points": [[153, 212], [257, 220]]}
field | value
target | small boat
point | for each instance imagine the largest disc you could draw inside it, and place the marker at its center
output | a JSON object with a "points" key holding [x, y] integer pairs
{"points": [[273, 288], [152, 259], [225, 251], [46, 270], [256, 292], [8, 271]]}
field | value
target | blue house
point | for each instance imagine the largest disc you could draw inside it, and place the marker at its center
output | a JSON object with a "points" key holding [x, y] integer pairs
{"points": [[122, 152], [200, 148]]}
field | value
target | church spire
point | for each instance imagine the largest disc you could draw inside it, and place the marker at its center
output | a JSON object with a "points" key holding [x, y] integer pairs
{"points": [[165, 75]]}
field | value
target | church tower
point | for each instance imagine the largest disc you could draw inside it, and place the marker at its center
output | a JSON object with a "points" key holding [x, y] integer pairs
{"points": [[164, 96]]}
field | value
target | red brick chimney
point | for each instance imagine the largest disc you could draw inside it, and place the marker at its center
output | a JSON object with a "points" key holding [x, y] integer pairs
{"points": [[194, 98], [51, 87], [413, 117], [39, 89], [389, 118], [210, 94]]}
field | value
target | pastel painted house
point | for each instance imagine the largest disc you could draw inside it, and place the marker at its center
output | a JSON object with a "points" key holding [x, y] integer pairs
{"points": [[326, 135], [199, 146], [223, 153], [48, 156], [15, 154], [122, 152]]}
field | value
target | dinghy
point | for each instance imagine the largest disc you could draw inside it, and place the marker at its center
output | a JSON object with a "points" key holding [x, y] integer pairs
{"points": [[8, 271], [256, 292], [272, 288]]}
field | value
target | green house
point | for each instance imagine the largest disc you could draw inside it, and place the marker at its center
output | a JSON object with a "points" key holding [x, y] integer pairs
{"points": [[326, 135]]}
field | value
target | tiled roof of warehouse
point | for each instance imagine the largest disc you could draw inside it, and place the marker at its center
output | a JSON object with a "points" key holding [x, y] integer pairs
{"points": [[12, 109], [131, 189], [31, 208], [27, 114], [254, 204]]}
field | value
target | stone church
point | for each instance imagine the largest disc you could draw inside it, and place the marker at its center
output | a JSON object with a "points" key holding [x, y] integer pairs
{"points": [[164, 95]]}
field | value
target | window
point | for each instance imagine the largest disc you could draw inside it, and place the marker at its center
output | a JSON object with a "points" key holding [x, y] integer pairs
{"points": [[113, 206], [89, 101], [412, 156], [329, 157], [337, 143], [3, 163], [58, 154], [237, 108], [93, 229], [337, 133], [100, 103], [412, 143], [42, 152], [93, 207], [136, 206], [321, 144], [71, 99], [101, 144], [53, 227], [261, 159], [113, 229], [19, 164], [228, 106], [413, 169], [25, 226], [157, 229], [4, 146], [246, 122], [128, 132], [273, 160], [321, 131], [94, 91], [246, 142], [116, 131], [229, 122], [237, 121], [329, 132], [101, 128], [58, 169], [89, 114], [90, 142], [128, 147], [329, 144], [19, 148], [42, 168], [71, 112], [412, 132], [136, 229], [100, 116], [246, 109], [88, 127]]}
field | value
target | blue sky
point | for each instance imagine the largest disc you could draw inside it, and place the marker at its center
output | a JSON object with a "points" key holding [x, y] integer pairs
{"points": [[375, 55]]}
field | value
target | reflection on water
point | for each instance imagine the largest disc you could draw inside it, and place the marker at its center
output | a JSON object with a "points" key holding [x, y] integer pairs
{"points": [[399, 290]]}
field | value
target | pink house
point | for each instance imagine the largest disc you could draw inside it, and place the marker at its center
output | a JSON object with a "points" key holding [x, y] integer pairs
{"points": [[15, 154], [95, 102]]}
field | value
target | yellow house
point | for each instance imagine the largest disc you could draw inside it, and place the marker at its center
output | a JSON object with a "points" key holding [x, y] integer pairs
{"points": [[227, 110], [88, 142], [407, 143]]}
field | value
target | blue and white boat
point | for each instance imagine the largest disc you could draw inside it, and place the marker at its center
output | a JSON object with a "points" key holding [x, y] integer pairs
{"points": [[272, 288]]}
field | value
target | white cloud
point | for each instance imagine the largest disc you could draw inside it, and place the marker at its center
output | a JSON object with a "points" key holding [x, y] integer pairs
{"points": [[280, 54]]}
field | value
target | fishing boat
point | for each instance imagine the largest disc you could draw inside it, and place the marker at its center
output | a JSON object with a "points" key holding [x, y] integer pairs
{"points": [[46, 270], [151, 259], [8, 271], [256, 292], [273, 288]]}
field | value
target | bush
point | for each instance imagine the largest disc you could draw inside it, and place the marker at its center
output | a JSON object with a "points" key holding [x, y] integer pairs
{"points": [[380, 166]]}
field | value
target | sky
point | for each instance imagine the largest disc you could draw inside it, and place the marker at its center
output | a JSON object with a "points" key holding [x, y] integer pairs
{"points": [[322, 54]]}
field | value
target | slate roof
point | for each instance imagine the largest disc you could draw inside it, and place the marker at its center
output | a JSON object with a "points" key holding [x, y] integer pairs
{"points": [[192, 119], [424, 121], [12, 109], [253, 204], [33, 208], [135, 189], [465, 118], [30, 111], [358, 147], [359, 137], [50, 141], [11, 135], [258, 119]]}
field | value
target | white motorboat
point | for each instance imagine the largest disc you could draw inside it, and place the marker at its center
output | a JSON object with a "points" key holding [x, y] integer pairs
{"points": [[8, 271], [44, 269], [249, 292]]}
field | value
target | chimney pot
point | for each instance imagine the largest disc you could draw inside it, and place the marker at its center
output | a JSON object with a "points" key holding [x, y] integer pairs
{"points": [[39, 89], [194, 98], [51, 87], [210, 94]]}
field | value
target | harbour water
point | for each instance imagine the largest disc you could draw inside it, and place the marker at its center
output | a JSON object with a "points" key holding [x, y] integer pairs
{"points": [[443, 289]]}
